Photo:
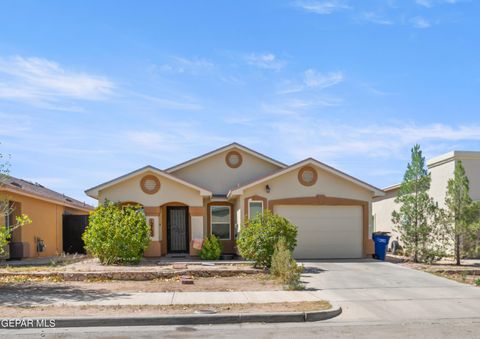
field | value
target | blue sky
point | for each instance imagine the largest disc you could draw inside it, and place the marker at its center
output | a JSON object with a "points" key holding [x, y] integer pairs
{"points": [[90, 90]]}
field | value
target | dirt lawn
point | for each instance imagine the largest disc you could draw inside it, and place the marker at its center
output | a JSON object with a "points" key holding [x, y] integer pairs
{"points": [[467, 273], [157, 310], [246, 282]]}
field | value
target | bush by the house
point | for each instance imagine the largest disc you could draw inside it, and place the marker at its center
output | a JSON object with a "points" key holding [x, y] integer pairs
{"points": [[258, 238], [117, 235], [284, 267], [211, 249]]}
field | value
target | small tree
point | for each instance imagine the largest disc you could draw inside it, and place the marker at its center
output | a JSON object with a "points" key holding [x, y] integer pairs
{"points": [[285, 267], [6, 209], [117, 235], [211, 248], [258, 238], [417, 218], [463, 215]]}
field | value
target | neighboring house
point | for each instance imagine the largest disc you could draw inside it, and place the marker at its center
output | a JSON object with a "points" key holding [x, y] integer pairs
{"points": [[441, 169], [46, 208], [216, 193]]}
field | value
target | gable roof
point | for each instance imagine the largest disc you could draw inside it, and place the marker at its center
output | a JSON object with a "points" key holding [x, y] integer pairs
{"points": [[24, 187], [375, 190], [93, 192], [223, 149]]}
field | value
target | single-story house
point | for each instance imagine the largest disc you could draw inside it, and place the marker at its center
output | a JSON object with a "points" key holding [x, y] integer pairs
{"points": [[441, 169], [216, 192], [46, 208]]}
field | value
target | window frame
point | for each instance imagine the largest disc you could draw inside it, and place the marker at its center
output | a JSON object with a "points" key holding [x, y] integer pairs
{"points": [[223, 223], [254, 201]]}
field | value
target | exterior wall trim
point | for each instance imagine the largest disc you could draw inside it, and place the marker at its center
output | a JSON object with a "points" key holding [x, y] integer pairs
{"points": [[255, 198]]}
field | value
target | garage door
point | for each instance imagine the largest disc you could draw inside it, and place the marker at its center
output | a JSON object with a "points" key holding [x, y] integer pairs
{"points": [[326, 231]]}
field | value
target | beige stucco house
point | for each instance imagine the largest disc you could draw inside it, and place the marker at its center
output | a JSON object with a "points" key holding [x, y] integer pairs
{"points": [[441, 169], [216, 192]]}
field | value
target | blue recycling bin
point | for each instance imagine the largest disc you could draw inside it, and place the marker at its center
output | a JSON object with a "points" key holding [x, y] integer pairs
{"points": [[381, 245]]}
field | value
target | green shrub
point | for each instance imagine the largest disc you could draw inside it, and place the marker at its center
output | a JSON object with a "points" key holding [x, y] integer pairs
{"points": [[211, 249], [477, 282], [258, 238], [284, 267], [117, 235]]}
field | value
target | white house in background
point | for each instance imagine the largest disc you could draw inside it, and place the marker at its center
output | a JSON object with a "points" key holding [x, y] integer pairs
{"points": [[441, 169]]}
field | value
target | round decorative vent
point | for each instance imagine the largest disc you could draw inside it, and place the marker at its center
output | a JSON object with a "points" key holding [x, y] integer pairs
{"points": [[233, 159], [150, 184], [307, 176]]}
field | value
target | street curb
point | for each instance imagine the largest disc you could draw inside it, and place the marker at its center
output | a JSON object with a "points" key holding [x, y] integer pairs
{"points": [[200, 319]]}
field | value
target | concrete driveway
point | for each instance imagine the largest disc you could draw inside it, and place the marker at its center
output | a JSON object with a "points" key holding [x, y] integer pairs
{"points": [[370, 290]]}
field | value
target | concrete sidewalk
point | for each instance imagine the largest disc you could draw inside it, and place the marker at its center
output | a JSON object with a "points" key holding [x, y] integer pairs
{"points": [[179, 298]]}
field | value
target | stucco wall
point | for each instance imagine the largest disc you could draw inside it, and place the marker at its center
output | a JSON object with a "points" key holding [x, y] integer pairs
{"points": [[214, 174], [46, 224], [472, 169], [170, 191], [440, 175], [288, 186], [382, 208]]}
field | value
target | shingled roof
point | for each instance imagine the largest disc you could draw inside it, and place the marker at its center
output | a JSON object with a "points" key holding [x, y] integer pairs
{"points": [[23, 186]]}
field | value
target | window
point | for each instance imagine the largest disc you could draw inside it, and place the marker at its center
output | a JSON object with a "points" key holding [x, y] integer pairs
{"points": [[150, 184], [220, 218], [307, 176], [254, 208], [233, 159]]}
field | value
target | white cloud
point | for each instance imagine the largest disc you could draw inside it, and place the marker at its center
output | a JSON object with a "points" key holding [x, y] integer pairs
{"points": [[304, 137], [40, 80], [431, 3], [419, 22], [171, 103], [295, 106], [376, 18], [312, 78], [184, 65], [424, 3], [266, 61], [323, 7]]}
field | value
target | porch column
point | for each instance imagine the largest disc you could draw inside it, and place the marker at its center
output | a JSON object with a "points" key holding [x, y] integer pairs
{"points": [[196, 226], [153, 216]]}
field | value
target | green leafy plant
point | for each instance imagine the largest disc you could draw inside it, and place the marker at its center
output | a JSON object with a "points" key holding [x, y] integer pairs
{"points": [[117, 235], [7, 210], [477, 282], [418, 219], [258, 238], [284, 267], [211, 248], [462, 214], [6, 233]]}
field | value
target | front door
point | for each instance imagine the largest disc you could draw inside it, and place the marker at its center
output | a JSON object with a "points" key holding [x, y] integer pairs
{"points": [[177, 229]]}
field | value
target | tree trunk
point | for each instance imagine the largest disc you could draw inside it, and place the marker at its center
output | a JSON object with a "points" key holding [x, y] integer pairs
{"points": [[457, 249]]}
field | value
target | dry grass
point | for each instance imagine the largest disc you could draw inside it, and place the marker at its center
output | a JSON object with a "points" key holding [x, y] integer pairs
{"points": [[158, 310], [243, 282]]}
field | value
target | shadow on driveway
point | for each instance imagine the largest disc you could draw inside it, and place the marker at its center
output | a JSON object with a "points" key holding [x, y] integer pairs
{"points": [[33, 294]]}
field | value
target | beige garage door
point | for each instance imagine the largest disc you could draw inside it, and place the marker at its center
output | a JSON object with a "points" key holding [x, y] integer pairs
{"points": [[325, 231]]}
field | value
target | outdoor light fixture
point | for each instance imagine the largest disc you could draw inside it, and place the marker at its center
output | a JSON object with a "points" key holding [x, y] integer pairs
{"points": [[267, 189]]}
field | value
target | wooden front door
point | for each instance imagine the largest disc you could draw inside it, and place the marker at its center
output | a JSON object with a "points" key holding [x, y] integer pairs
{"points": [[177, 229]]}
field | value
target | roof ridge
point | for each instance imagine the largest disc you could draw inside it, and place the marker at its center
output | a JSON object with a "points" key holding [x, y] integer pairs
{"points": [[216, 150]]}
